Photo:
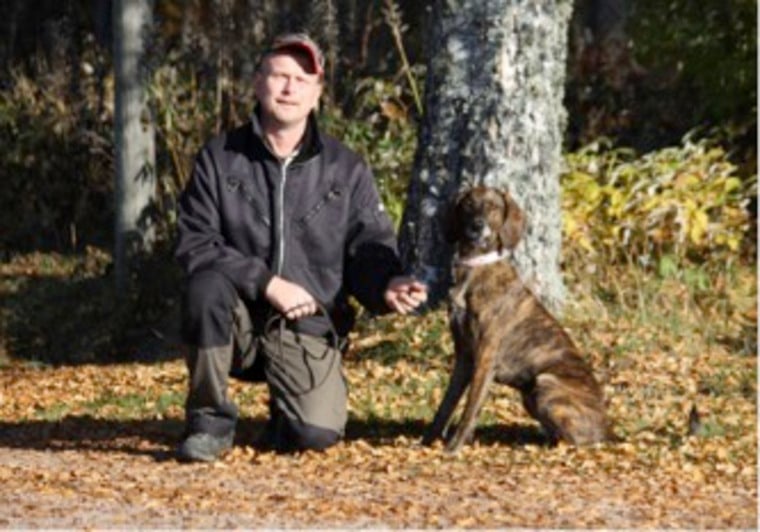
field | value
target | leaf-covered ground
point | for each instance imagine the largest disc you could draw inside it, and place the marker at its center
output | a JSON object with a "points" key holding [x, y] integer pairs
{"points": [[91, 445]]}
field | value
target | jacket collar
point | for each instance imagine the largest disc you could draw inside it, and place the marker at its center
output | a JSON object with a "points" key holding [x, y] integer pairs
{"points": [[311, 143]]}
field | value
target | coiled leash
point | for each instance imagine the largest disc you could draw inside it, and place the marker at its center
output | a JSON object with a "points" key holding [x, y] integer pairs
{"points": [[279, 321]]}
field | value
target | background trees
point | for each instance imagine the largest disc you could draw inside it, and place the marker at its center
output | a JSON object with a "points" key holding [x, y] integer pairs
{"points": [[640, 75], [675, 68]]}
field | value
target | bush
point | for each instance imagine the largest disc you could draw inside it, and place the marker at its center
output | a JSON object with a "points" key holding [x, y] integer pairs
{"points": [[57, 166], [185, 117], [682, 203]]}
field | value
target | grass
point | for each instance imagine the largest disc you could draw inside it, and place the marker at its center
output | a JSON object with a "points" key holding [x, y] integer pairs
{"points": [[658, 345]]}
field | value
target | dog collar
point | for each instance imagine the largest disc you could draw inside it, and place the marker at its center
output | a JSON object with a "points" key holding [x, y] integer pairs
{"points": [[482, 260]]}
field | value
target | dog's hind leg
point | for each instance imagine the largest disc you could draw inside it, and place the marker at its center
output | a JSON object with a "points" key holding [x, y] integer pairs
{"points": [[459, 379], [569, 411], [480, 382]]}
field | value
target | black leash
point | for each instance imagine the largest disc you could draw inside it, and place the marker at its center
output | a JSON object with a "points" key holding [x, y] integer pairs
{"points": [[279, 321]]}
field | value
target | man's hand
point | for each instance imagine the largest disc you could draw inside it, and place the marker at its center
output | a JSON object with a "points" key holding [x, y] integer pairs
{"points": [[290, 299], [404, 294]]}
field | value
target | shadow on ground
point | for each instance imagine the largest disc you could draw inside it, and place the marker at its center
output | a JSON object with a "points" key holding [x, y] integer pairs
{"points": [[66, 311], [158, 438]]}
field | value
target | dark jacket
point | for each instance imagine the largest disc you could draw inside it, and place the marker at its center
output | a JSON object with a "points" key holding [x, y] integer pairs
{"points": [[317, 221]]}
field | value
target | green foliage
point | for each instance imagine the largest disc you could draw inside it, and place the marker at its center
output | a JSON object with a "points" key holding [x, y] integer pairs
{"points": [[710, 47], [675, 66], [664, 209]]}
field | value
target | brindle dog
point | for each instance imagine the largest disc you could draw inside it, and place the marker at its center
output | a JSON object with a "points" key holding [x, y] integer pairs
{"points": [[503, 333]]}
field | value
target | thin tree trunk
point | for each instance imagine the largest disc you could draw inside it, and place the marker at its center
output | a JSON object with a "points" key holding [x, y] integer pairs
{"points": [[134, 136], [493, 115]]}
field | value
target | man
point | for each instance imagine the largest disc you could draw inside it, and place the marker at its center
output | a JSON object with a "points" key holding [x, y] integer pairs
{"points": [[278, 222]]}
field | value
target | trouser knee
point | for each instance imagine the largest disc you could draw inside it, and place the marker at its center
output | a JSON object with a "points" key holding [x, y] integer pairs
{"points": [[207, 306], [299, 436]]}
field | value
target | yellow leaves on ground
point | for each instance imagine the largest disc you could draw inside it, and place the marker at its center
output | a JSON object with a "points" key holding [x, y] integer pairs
{"points": [[114, 454], [91, 445]]}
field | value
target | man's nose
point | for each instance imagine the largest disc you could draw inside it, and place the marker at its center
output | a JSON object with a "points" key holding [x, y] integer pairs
{"points": [[287, 85]]}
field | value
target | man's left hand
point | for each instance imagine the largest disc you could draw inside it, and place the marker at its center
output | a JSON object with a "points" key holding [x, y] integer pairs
{"points": [[404, 294]]}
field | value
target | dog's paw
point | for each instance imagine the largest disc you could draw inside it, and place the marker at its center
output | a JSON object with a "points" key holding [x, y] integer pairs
{"points": [[428, 439]]}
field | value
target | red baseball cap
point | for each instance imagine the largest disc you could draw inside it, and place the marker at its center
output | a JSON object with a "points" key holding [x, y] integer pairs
{"points": [[302, 43]]}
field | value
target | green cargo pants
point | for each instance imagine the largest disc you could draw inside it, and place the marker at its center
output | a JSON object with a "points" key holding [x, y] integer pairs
{"points": [[308, 394]]}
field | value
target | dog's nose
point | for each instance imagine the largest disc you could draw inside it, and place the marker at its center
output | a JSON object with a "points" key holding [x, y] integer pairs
{"points": [[478, 224], [475, 228]]}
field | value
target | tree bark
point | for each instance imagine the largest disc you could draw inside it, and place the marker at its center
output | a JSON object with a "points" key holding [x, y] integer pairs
{"points": [[494, 116], [134, 136]]}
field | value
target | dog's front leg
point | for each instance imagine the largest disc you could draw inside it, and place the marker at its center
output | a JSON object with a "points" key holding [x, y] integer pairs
{"points": [[459, 379], [481, 380]]}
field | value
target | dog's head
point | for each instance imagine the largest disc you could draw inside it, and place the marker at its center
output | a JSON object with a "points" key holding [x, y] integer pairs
{"points": [[484, 219]]}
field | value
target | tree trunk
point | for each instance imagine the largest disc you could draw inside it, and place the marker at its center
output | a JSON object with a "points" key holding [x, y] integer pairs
{"points": [[134, 137], [493, 115]]}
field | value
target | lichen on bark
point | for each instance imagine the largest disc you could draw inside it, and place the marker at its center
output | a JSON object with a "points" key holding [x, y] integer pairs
{"points": [[493, 115]]}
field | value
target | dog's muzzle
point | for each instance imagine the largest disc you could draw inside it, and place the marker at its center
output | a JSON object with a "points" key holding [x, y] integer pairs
{"points": [[477, 230]]}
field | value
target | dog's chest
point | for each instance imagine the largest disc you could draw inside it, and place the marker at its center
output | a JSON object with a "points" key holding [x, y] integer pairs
{"points": [[478, 297]]}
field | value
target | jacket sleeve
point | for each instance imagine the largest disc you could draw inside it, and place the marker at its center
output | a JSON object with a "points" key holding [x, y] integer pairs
{"points": [[372, 256], [201, 244]]}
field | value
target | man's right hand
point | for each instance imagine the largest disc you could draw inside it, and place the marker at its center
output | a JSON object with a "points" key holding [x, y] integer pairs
{"points": [[290, 299]]}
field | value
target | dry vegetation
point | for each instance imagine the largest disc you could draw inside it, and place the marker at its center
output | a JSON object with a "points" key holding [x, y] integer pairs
{"points": [[90, 445]]}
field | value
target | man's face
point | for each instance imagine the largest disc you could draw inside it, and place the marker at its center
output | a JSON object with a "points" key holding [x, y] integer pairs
{"points": [[285, 89]]}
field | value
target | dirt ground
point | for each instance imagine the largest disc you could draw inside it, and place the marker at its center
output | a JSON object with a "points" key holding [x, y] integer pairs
{"points": [[115, 486], [83, 470]]}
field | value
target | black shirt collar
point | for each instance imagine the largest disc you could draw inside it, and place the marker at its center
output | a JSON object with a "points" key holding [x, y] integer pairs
{"points": [[311, 143]]}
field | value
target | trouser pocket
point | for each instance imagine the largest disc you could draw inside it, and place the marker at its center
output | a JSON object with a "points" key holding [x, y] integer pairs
{"points": [[305, 379]]}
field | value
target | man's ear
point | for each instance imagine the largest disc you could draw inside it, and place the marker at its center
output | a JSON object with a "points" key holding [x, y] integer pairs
{"points": [[514, 223]]}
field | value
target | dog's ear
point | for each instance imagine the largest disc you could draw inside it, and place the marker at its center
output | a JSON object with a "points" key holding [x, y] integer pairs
{"points": [[514, 223], [450, 226]]}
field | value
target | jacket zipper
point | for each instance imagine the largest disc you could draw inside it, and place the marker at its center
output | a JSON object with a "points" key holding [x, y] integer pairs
{"points": [[281, 214]]}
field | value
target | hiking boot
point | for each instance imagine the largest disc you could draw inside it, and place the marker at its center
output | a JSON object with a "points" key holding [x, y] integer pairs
{"points": [[204, 447]]}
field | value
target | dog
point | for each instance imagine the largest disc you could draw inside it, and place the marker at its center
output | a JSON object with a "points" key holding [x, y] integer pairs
{"points": [[503, 333]]}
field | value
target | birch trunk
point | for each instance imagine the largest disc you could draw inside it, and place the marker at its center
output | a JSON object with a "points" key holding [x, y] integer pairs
{"points": [[493, 115], [134, 136]]}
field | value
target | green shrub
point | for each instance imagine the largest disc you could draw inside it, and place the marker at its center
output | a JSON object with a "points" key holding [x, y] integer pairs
{"points": [[679, 203]]}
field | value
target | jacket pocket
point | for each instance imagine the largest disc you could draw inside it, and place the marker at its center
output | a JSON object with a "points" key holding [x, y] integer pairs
{"points": [[323, 228], [235, 185], [331, 198]]}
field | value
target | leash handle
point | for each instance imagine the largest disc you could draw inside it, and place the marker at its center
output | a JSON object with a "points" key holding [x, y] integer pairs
{"points": [[338, 344]]}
